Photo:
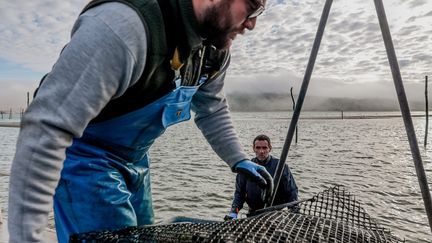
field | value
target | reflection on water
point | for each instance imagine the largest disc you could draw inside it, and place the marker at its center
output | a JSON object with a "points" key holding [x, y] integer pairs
{"points": [[371, 157]]}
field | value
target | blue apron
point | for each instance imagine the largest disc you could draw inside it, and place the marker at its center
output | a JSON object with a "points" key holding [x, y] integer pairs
{"points": [[105, 181]]}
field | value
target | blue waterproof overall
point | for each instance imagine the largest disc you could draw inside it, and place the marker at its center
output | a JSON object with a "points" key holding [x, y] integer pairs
{"points": [[105, 181]]}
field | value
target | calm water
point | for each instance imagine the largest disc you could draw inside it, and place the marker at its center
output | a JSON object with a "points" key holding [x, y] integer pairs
{"points": [[371, 157]]}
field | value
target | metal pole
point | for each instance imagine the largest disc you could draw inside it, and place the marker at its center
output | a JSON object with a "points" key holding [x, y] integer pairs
{"points": [[279, 207], [403, 103], [300, 98]]}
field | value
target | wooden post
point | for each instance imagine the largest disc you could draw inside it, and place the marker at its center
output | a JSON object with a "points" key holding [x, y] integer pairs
{"points": [[342, 114], [28, 99], [10, 113], [427, 110], [296, 128]]}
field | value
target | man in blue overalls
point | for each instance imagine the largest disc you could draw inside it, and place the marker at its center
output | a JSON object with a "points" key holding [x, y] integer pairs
{"points": [[131, 69]]}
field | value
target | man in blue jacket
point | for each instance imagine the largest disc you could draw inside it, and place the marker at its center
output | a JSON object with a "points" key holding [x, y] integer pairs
{"points": [[132, 69], [251, 193]]}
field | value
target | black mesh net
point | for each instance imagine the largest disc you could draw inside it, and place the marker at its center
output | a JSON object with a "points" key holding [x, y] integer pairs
{"points": [[332, 215]]}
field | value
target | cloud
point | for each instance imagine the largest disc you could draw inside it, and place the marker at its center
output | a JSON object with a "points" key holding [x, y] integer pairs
{"points": [[352, 47], [276, 52], [33, 32]]}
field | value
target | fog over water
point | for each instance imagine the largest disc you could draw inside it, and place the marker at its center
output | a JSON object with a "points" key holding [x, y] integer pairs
{"points": [[283, 102]]}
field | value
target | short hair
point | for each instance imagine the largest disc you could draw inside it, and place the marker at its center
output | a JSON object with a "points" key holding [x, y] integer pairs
{"points": [[261, 137]]}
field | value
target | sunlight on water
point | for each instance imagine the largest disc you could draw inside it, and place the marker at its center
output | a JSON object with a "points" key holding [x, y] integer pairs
{"points": [[371, 157]]}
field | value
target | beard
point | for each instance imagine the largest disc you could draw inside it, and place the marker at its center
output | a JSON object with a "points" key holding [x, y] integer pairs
{"points": [[217, 25]]}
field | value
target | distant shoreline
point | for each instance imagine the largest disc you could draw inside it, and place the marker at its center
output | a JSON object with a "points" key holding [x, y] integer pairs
{"points": [[357, 117], [9, 124], [330, 117]]}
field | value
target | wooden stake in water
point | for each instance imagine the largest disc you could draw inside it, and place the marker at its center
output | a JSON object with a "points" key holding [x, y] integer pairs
{"points": [[406, 114], [427, 110], [296, 128]]}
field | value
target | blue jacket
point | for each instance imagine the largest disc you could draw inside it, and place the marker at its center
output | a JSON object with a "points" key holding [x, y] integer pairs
{"points": [[250, 192]]}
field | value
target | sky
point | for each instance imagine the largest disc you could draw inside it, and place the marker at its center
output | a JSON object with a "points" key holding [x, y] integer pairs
{"points": [[351, 62]]}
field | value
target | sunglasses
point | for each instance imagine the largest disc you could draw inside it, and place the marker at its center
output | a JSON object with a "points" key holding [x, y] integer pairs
{"points": [[257, 10]]}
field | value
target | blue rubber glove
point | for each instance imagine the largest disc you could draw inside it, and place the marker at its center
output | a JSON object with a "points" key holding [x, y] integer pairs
{"points": [[258, 174], [233, 215], [230, 216]]}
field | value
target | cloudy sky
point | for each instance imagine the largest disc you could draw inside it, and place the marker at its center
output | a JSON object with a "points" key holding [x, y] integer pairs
{"points": [[271, 58]]}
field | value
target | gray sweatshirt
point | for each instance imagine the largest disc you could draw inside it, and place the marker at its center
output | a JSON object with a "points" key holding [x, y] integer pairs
{"points": [[105, 56]]}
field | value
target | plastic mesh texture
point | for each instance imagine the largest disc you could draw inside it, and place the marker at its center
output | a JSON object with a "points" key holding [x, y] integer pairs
{"points": [[332, 215]]}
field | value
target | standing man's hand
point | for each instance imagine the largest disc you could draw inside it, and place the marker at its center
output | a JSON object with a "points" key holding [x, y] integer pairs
{"points": [[230, 216], [258, 174]]}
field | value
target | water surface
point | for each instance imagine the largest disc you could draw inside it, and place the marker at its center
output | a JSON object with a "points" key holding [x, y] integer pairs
{"points": [[371, 157]]}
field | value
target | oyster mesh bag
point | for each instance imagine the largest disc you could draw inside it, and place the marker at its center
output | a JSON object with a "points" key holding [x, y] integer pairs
{"points": [[332, 215]]}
